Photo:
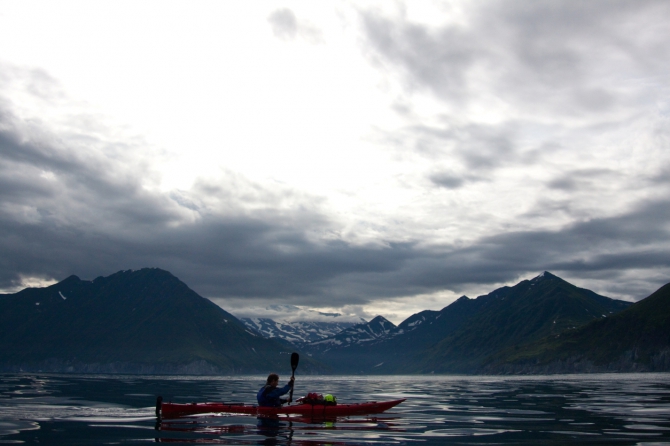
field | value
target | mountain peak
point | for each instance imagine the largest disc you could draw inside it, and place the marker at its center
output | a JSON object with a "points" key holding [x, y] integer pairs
{"points": [[125, 274], [380, 325], [544, 276], [379, 320], [71, 279]]}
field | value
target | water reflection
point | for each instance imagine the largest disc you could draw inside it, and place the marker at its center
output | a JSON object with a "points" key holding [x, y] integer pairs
{"points": [[273, 429], [583, 409]]}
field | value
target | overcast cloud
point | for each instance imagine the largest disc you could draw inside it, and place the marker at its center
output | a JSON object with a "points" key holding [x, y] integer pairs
{"points": [[375, 159]]}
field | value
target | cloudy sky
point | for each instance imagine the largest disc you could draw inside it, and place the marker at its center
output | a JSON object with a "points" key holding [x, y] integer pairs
{"points": [[366, 158]]}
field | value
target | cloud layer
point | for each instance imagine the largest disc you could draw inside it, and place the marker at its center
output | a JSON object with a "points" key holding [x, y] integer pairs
{"points": [[524, 137]]}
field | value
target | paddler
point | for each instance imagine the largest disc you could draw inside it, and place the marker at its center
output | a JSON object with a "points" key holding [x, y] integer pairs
{"points": [[269, 394]]}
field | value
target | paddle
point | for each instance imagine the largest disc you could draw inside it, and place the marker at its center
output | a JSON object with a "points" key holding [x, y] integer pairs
{"points": [[294, 365]]}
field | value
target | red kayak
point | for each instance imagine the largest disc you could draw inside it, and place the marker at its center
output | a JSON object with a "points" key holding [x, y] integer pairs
{"points": [[174, 410]]}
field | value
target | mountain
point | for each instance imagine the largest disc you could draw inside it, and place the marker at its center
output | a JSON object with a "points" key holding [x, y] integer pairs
{"points": [[462, 337], [397, 352], [393, 351], [145, 321], [512, 316], [297, 333], [359, 334], [347, 351], [148, 321], [636, 339], [423, 329]]}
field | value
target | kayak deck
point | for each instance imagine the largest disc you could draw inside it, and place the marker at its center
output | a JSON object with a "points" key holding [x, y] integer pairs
{"points": [[174, 410]]}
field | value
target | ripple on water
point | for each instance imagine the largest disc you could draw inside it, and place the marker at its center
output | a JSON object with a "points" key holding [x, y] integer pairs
{"points": [[646, 427], [120, 410], [9, 427], [574, 433], [465, 432]]}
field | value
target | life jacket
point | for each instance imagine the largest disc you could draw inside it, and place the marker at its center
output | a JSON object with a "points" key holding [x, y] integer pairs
{"points": [[264, 400]]}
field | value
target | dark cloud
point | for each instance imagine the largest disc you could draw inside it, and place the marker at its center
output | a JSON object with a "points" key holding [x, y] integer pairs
{"points": [[284, 23], [64, 185], [546, 57], [486, 147], [663, 177], [577, 79], [475, 149], [583, 178], [638, 240], [91, 216], [76, 204], [447, 180], [437, 60]]}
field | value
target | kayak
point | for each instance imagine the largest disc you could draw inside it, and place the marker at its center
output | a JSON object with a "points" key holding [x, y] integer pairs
{"points": [[174, 410]]}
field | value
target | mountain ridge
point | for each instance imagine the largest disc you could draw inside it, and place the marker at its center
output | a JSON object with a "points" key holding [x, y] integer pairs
{"points": [[148, 321], [512, 316], [633, 340], [460, 337], [144, 321]]}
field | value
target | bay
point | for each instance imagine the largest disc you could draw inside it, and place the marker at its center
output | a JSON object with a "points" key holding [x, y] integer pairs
{"points": [[625, 409]]}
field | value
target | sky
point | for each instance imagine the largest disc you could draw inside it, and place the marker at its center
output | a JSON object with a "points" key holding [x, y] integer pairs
{"points": [[356, 157]]}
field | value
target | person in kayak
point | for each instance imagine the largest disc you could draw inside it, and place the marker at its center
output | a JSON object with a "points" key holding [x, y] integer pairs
{"points": [[269, 394]]}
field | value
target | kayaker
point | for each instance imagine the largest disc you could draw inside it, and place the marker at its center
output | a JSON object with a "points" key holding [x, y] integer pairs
{"points": [[269, 394]]}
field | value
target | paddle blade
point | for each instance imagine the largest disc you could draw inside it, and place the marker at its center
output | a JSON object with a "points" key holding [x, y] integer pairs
{"points": [[294, 364]]}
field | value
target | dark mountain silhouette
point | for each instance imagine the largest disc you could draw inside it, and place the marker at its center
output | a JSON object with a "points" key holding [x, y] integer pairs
{"points": [[145, 321], [512, 316], [636, 339], [148, 321], [396, 351], [464, 335]]}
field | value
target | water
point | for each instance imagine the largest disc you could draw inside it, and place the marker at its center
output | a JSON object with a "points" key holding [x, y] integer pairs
{"points": [[631, 409]]}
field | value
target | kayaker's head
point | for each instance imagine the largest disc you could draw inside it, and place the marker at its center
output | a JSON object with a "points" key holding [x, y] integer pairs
{"points": [[273, 380]]}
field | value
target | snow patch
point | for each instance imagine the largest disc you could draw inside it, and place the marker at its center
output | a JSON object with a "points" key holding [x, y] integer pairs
{"points": [[538, 276], [302, 331], [61, 295]]}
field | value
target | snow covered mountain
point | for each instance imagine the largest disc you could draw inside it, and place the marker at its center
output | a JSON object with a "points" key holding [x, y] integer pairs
{"points": [[297, 325], [296, 332], [359, 334]]}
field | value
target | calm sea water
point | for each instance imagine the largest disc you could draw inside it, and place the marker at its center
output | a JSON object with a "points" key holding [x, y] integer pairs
{"points": [[631, 409]]}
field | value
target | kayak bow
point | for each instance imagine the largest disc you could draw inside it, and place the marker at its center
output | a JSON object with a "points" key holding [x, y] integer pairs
{"points": [[174, 410]]}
